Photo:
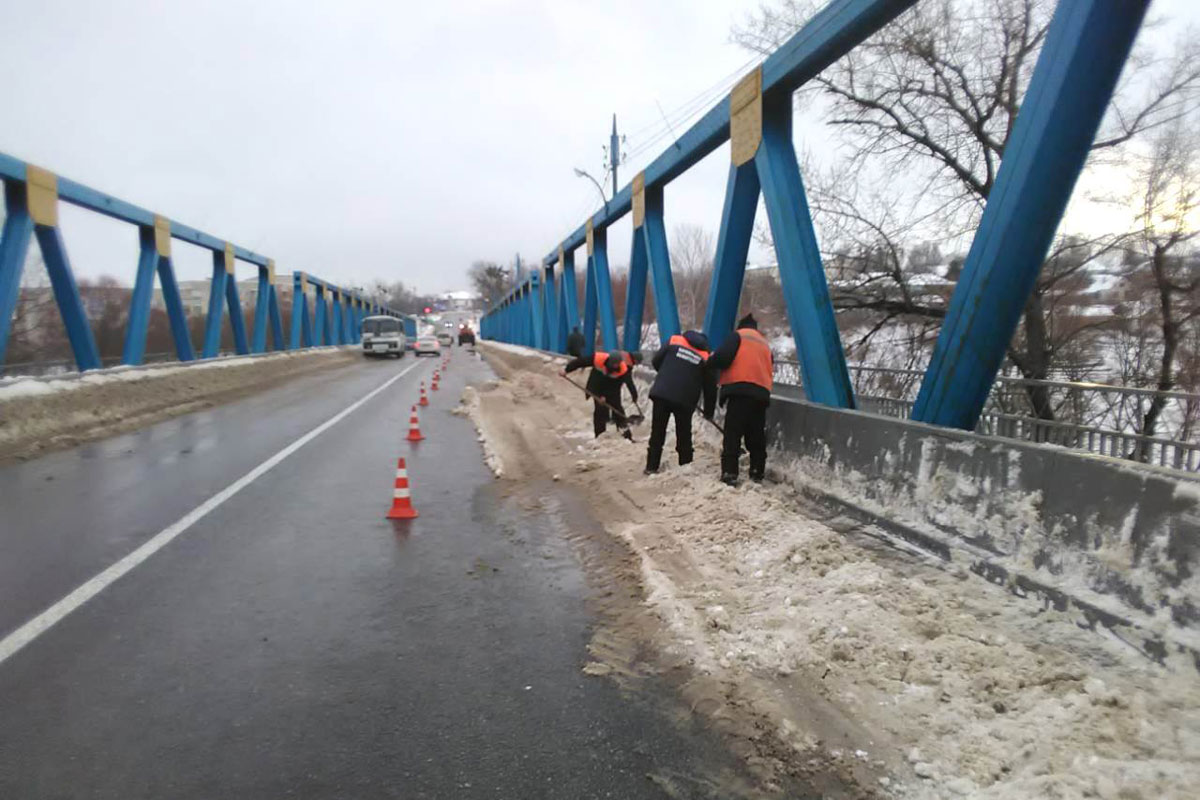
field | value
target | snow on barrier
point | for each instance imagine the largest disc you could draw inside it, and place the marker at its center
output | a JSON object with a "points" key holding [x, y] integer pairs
{"points": [[1117, 542]]}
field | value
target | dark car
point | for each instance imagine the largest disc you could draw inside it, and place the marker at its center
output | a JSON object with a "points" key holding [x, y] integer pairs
{"points": [[466, 336]]}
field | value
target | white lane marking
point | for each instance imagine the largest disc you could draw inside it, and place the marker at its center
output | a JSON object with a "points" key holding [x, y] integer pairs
{"points": [[31, 630]]}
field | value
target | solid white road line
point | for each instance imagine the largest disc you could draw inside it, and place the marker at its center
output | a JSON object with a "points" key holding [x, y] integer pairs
{"points": [[31, 630]]}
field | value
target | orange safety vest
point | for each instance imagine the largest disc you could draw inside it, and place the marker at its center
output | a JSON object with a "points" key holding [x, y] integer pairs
{"points": [[598, 362], [681, 341], [752, 364]]}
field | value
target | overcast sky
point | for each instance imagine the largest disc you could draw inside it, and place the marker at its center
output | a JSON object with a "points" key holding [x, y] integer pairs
{"points": [[361, 139]]}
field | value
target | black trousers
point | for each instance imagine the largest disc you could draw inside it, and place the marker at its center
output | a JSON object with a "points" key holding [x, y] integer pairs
{"points": [[745, 420], [601, 415], [659, 417]]}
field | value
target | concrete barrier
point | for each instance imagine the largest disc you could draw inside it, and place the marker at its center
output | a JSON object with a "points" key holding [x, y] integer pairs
{"points": [[1116, 540]]}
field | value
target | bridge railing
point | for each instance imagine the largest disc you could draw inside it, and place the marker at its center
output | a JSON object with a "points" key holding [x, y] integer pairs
{"points": [[32, 195], [1096, 417], [1085, 47]]}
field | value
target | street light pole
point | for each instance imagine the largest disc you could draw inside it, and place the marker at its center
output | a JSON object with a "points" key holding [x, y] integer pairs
{"points": [[579, 173]]}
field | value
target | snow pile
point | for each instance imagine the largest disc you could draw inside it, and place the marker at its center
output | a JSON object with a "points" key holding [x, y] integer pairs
{"points": [[13, 388], [950, 686], [469, 407], [39, 414]]}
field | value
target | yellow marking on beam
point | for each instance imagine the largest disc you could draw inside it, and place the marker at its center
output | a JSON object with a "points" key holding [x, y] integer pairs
{"points": [[639, 199], [270, 272], [41, 195], [591, 239], [162, 236], [229, 259], [745, 118]]}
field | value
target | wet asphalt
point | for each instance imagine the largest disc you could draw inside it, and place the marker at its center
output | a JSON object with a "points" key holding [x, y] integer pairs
{"points": [[294, 643]]}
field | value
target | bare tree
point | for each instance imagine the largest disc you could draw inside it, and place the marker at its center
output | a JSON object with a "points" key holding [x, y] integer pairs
{"points": [[692, 252], [490, 280], [1169, 205]]}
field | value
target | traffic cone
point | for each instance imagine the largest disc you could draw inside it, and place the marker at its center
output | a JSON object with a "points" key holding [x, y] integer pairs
{"points": [[402, 507], [424, 401], [414, 427], [434, 387]]}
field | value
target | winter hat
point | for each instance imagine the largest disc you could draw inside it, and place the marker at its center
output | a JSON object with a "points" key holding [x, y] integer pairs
{"points": [[613, 362], [748, 321], [696, 339]]}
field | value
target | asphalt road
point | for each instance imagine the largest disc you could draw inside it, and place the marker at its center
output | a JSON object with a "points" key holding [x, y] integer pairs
{"points": [[293, 643]]}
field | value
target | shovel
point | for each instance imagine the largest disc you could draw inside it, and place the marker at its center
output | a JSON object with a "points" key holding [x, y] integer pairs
{"points": [[633, 419]]}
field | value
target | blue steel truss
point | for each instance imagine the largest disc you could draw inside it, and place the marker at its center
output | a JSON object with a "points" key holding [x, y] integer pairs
{"points": [[1086, 47], [32, 196]]}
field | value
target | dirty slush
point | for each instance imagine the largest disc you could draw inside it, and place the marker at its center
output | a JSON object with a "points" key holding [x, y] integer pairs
{"points": [[824, 648]]}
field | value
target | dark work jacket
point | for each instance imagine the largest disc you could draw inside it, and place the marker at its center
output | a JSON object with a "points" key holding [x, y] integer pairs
{"points": [[600, 383], [683, 375], [721, 358], [575, 343]]}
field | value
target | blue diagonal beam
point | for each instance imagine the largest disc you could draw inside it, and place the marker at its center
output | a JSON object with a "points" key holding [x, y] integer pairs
{"points": [[1086, 45], [635, 294], [666, 310], [805, 291], [733, 245]]}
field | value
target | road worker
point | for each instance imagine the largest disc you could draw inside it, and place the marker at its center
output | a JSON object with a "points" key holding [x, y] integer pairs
{"points": [[610, 371], [683, 375], [747, 368]]}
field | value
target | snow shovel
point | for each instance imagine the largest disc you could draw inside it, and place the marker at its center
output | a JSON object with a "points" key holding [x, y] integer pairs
{"points": [[633, 419]]}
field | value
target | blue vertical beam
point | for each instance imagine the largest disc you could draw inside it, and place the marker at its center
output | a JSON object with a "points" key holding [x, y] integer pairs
{"points": [[569, 293], [335, 317], [139, 302], [66, 294], [180, 333], [550, 292], [635, 296], [655, 232], [1086, 45], [603, 285], [733, 245], [319, 327], [216, 302], [237, 320], [805, 291], [299, 311], [266, 278], [535, 310], [277, 340], [589, 306], [14, 244]]}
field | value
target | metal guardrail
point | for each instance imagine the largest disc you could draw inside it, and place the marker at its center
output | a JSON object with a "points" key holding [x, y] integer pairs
{"points": [[32, 195], [1095, 417]]}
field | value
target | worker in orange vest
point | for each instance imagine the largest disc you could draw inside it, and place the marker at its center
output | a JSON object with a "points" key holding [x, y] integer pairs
{"points": [[746, 380], [610, 371]]}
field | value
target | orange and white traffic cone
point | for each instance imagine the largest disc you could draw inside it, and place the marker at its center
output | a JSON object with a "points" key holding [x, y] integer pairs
{"points": [[424, 401], [402, 507], [434, 386], [414, 427]]}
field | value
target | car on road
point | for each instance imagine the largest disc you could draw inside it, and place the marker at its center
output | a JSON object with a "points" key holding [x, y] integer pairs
{"points": [[427, 345], [444, 338], [466, 336], [383, 336]]}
